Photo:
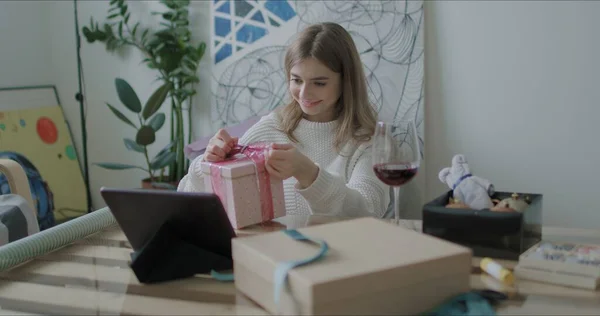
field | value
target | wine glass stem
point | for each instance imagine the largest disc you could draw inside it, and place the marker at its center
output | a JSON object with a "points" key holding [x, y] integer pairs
{"points": [[397, 204]]}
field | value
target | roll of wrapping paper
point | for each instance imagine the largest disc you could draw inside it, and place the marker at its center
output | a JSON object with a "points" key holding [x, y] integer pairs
{"points": [[25, 249]]}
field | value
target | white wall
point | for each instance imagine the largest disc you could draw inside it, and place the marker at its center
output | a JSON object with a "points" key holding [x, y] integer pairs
{"points": [[529, 64], [513, 85], [105, 131], [24, 39]]}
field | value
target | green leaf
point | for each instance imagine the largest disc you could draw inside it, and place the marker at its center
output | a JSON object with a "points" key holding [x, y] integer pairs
{"points": [[145, 136], [201, 50], [123, 9], [167, 148], [112, 2], [162, 160], [192, 65], [160, 46], [188, 92], [120, 115], [108, 30], [156, 100], [128, 96], [135, 29], [121, 29], [189, 80], [112, 16], [114, 44], [110, 44], [87, 33], [116, 166], [157, 121], [132, 145], [99, 36], [176, 71], [127, 17], [183, 12], [145, 33]]}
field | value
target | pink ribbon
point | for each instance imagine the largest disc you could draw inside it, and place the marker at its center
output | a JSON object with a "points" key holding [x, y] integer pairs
{"points": [[256, 153]]}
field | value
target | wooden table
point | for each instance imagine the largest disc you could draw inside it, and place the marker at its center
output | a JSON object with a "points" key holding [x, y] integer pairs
{"points": [[91, 276]]}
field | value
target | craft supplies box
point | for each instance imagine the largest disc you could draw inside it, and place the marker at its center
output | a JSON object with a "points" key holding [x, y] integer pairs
{"points": [[242, 195], [502, 235], [372, 267], [566, 264]]}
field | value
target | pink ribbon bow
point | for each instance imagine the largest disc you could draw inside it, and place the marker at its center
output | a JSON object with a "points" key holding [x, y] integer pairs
{"points": [[255, 152]]}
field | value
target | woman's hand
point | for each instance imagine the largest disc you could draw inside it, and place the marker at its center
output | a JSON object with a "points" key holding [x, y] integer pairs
{"points": [[219, 146], [285, 161]]}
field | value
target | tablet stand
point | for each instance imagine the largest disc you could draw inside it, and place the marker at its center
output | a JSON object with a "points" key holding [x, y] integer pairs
{"points": [[169, 256]]}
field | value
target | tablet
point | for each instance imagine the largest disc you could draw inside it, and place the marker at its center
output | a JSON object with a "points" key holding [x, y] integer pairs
{"points": [[199, 217]]}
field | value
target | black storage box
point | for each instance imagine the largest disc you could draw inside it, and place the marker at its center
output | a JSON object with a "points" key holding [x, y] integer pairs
{"points": [[501, 235]]}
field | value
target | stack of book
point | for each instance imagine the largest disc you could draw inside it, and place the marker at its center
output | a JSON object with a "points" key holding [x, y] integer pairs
{"points": [[567, 264]]}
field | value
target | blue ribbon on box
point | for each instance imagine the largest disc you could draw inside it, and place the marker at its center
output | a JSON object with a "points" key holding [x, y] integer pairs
{"points": [[282, 269]]}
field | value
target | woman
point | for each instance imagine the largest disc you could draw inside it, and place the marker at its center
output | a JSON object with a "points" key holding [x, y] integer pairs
{"points": [[321, 138]]}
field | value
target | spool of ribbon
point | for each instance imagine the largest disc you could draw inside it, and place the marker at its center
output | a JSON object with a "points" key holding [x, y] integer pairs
{"points": [[256, 153]]}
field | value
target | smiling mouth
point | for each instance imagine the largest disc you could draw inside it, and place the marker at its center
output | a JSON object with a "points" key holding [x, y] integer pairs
{"points": [[309, 104]]}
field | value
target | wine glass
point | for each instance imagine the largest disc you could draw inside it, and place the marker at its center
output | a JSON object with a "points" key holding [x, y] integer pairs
{"points": [[396, 156]]}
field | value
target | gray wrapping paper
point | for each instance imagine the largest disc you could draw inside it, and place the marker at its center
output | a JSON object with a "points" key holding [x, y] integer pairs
{"points": [[54, 238]]}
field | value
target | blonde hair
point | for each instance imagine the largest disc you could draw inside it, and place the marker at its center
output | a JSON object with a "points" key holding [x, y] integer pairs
{"points": [[333, 46]]}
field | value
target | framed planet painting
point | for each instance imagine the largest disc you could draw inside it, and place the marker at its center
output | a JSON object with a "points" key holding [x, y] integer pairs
{"points": [[34, 132]]}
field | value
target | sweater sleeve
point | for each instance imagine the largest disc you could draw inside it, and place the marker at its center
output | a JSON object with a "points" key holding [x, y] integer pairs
{"points": [[193, 181], [363, 195]]}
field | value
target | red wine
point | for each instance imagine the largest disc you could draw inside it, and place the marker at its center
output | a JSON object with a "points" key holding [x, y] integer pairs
{"points": [[395, 174]]}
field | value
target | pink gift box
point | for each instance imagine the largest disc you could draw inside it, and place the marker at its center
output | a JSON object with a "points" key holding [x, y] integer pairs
{"points": [[238, 188]]}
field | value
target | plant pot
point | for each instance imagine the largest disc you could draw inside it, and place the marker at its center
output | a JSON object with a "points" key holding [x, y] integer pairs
{"points": [[147, 185]]}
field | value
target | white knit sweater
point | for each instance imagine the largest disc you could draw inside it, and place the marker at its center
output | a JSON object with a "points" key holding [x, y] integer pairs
{"points": [[345, 186]]}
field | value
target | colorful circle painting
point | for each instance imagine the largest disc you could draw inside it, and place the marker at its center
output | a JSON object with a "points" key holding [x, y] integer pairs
{"points": [[70, 152], [46, 130]]}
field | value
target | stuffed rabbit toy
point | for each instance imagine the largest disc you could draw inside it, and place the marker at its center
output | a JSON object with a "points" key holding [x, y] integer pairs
{"points": [[471, 190]]}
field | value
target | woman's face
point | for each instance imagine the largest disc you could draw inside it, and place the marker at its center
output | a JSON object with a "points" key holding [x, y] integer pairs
{"points": [[316, 88]]}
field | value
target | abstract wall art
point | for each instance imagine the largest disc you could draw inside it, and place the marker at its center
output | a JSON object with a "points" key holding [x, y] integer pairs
{"points": [[249, 38]]}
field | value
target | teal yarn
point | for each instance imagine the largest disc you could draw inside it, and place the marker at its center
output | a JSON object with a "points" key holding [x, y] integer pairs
{"points": [[223, 277], [466, 304]]}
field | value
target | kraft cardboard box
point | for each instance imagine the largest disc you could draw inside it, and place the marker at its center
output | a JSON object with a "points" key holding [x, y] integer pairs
{"points": [[372, 267]]}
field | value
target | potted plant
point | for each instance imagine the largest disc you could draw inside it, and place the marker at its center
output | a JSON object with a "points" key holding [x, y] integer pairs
{"points": [[149, 123], [169, 51]]}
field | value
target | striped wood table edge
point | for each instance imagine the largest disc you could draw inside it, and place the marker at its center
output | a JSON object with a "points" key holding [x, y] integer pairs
{"points": [[91, 276]]}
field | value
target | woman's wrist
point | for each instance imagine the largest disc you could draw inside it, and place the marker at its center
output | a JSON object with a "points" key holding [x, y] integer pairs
{"points": [[307, 174]]}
